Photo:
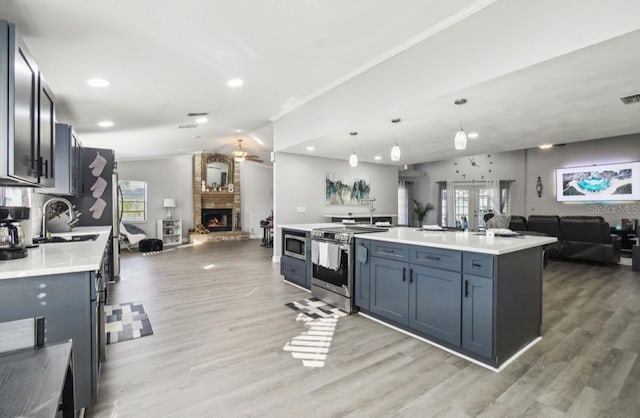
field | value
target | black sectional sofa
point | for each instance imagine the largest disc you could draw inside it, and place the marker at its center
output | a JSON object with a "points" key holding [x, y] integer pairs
{"points": [[579, 237]]}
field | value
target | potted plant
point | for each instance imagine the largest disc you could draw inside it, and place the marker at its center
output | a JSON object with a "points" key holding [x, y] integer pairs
{"points": [[421, 210]]}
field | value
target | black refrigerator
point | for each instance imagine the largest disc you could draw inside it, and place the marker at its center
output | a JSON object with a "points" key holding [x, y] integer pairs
{"points": [[100, 203]]}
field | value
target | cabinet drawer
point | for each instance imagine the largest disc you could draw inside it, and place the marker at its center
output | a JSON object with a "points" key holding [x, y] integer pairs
{"points": [[399, 252], [436, 257], [293, 269], [478, 264]]}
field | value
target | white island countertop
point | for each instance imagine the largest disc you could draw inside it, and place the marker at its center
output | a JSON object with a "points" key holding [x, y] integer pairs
{"points": [[60, 257], [362, 215], [460, 240]]}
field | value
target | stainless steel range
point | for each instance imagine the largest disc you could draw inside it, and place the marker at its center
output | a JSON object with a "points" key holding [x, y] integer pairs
{"points": [[332, 255]]}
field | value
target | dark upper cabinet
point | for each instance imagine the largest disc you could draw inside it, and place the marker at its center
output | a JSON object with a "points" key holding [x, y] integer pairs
{"points": [[46, 134], [27, 107], [67, 158]]}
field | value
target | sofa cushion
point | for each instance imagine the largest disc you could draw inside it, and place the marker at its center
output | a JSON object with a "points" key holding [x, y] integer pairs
{"points": [[546, 224], [582, 229]]}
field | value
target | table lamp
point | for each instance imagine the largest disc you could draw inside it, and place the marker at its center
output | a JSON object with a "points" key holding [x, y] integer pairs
{"points": [[169, 204]]}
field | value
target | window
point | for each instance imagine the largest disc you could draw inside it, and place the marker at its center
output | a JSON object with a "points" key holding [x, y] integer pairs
{"points": [[134, 200], [403, 203]]}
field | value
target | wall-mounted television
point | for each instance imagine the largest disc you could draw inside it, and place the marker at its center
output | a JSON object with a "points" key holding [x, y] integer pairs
{"points": [[596, 183]]}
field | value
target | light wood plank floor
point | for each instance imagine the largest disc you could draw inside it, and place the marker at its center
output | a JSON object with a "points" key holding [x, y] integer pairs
{"points": [[220, 324]]}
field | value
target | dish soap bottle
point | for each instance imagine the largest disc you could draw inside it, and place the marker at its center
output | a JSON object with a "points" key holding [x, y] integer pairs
{"points": [[204, 186]]}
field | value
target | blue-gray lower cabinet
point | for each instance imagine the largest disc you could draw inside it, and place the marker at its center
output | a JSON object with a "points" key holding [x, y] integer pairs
{"points": [[434, 303], [294, 270], [477, 315], [362, 278], [68, 302], [389, 290]]}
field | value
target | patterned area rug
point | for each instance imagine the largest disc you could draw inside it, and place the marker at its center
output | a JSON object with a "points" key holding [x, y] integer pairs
{"points": [[126, 322], [314, 308]]}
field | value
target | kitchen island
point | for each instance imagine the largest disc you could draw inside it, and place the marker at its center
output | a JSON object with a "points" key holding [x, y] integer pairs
{"points": [[63, 282], [475, 296]]}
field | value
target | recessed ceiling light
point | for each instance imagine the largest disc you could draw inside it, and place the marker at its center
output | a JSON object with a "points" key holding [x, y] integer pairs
{"points": [[311, 148], [546, 146], [98, 82], [202, 120], [377, 158], [105, 124], [238, 131], [472, 135], [235, 82]]}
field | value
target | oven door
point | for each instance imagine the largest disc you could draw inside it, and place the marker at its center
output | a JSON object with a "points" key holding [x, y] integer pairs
{"points": [[338, 281]]}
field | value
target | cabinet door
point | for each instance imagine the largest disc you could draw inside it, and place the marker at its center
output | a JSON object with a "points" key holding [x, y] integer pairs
{"points": [[46, 134], [24, 92], [293, 270], [389, 292], [477, 315], [362, 281], [434, 303]]}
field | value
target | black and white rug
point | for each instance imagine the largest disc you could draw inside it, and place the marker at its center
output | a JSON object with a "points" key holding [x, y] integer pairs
{"points": [[314, 308], [126, 322]]}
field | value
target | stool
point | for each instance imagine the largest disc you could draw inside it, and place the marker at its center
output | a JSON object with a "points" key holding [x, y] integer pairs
{"points": [[150, 244]]}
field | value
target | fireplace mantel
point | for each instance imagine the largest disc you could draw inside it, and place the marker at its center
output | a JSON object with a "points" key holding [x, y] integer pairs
{"points": [[216, 200]]}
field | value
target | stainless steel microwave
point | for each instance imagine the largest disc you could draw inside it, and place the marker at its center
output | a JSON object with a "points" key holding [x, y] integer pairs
{"points": [[295, 246]]}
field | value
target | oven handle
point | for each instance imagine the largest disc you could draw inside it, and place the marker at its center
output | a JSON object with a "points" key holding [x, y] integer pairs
{"points": [[341, 245]]}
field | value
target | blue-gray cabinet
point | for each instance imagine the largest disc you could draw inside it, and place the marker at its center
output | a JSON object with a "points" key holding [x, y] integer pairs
{"points": [[389, 291], [434, 303], [482, 305], [296, 270], [477, 315], [69, 304]]}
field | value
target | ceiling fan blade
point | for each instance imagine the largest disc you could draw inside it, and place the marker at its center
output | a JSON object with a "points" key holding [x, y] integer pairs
{"points": [[254, 158]]}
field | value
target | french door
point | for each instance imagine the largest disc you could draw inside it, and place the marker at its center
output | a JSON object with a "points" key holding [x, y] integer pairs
{"points": [[471, 203]]}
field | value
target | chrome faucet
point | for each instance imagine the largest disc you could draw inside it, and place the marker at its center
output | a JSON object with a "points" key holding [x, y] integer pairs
{"points": [[371, 208], [73, 214]]}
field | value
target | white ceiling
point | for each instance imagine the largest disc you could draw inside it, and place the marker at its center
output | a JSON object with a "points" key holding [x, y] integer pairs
{"points": [[315, 70]]}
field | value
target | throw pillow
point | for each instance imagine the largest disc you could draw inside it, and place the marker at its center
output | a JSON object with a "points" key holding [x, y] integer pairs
{"points": [[499, 222]]}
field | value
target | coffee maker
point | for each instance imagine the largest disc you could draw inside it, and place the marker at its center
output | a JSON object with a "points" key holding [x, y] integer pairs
{"points": [[11, 234]]}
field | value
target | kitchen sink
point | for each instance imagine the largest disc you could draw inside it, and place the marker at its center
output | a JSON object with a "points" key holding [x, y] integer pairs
{"points": [[69, 238]]}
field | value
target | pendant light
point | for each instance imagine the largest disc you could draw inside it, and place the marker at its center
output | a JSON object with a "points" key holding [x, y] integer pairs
{"points": [[353, 160], [395, 151], [460, 141]]}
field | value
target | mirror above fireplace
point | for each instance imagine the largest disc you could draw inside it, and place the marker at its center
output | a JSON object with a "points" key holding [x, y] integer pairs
{"points": [[217, 170]]}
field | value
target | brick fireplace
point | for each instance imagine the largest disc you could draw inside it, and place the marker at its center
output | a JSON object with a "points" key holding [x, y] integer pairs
{"points": [[216, 202]]}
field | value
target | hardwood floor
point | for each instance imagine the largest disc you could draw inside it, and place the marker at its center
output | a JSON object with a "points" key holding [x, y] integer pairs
{"points": [[220, 325]]}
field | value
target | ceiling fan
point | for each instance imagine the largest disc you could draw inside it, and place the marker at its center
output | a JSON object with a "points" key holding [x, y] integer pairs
{"points": [[242, 155]]}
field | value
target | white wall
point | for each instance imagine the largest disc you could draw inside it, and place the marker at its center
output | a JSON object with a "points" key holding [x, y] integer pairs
{"points": [[171, 177], [256, 196], [602, 151], [500, 166], [299, 182], [524, 166]]}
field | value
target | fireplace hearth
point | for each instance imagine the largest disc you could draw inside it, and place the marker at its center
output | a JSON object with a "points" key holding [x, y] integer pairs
{"points": [[217, 220]]}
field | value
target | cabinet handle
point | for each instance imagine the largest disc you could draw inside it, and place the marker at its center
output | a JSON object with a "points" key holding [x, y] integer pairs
{"points": [[466, 288], [410, 275], [404, 274], [46, 169], [476, 264], [431, 257]]}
